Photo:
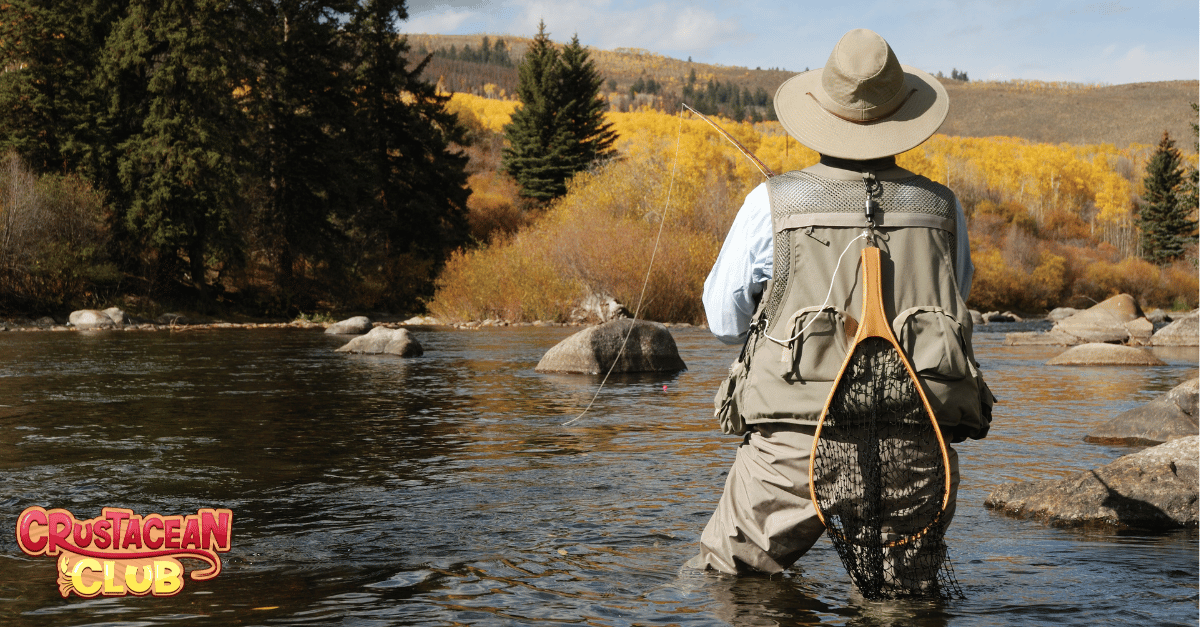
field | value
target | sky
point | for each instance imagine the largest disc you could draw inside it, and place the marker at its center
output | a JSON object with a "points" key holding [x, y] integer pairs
{"points": [[1082, 41]]}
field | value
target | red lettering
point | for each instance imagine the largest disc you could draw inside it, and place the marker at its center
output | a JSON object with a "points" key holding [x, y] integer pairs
{"points": [[30, 517], [133, 534], [214, 530], [101, 530], [152, 522], [60, 530], [116, 517], [171, 532], [80, 539], [191, 533]]}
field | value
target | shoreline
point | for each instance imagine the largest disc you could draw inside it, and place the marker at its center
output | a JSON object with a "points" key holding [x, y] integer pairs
{"points": [[418, 321]]}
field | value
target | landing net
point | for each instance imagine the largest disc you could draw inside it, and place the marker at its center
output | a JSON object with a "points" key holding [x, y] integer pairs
{"points": [[879, 479]]}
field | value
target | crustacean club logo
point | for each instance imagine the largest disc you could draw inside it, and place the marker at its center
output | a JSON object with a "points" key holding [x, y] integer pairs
{"points": [[121, 553]]}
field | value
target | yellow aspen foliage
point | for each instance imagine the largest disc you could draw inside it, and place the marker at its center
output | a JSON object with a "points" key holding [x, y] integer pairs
{"points": [[1048, 223]]}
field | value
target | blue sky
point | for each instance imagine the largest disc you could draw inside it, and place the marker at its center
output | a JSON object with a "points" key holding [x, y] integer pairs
{"points": [[1124, 41]]}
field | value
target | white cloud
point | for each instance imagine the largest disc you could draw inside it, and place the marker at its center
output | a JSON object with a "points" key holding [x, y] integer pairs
{"points": [[443, 19], [1140, 64]]}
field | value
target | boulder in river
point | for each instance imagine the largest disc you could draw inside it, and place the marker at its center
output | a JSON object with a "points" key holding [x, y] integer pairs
{"points": [[91, 319], [1103, 322], [1117, 320], [1168, 417], [382, 340], [650, 348], [357, 325], [118, 316], [1099, 354], [1183, 331], [1152, 489]]}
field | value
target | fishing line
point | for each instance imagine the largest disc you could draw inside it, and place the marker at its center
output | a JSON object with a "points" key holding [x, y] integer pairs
{"points": [[636, 310]]}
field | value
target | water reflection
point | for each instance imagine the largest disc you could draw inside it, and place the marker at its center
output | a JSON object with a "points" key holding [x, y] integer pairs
{"points": [[443, 489]]}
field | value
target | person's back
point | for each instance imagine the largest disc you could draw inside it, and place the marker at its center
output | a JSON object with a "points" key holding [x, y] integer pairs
{"points": [[858, 112]]}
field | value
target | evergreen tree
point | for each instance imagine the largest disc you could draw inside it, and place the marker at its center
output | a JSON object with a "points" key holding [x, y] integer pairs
{"points": [[301, 102], [560, 128], [171, 70], [582, 111], [541, 153], [413, 183], [48, 94], [1164, 218]]}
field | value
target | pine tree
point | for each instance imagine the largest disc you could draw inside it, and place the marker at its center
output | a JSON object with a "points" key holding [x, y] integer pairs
{"points": [[171, 70], [413, 183], [48, 94], [1164, 219], [542, 151], [582, 111], [300, 102]]}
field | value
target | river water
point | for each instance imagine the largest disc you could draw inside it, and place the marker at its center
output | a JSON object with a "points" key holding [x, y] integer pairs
{"points": [[444, 490]]}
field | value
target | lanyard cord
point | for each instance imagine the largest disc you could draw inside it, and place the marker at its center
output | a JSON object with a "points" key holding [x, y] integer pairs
{"points": [[864, 235]]}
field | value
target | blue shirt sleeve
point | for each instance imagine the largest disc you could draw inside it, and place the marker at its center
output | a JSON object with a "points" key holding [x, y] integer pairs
{"points": [[735, 284]]}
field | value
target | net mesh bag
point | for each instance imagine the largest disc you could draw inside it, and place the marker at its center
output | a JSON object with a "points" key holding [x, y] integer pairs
{"points": [[879, 479]]}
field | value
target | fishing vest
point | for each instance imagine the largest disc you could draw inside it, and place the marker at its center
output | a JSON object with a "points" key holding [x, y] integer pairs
{"points": [[794, 359]]}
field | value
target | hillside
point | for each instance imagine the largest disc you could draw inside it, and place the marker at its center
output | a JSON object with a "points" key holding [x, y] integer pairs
{"points": [[1040, 112]]}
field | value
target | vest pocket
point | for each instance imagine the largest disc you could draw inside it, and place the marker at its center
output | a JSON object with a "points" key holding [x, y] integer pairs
{"points": [[818, 340], [932, 339]]}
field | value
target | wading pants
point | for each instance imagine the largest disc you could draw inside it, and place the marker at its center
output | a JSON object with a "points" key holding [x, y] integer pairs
{"points": [[765, 521]]}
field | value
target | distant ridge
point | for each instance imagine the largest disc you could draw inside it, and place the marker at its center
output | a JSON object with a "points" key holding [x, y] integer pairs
{"points": [[1135, 113]]}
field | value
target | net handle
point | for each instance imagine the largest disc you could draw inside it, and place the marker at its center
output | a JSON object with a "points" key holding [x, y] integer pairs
{"points": [[874, 323]]}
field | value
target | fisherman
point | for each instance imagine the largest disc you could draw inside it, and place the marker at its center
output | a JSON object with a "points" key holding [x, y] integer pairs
{"points": [[780, 263]]}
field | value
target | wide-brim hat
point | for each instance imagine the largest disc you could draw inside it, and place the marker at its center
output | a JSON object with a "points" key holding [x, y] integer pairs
{"points": [[863, 104]]}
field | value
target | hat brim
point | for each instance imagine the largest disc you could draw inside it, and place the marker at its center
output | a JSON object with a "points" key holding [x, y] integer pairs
{"points": [[914, 122]]}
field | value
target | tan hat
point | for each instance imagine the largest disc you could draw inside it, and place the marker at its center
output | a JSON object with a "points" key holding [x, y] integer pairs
{"points": [[863, 104]]}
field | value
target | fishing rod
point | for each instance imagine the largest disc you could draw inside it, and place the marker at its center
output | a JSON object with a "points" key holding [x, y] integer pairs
{"points": [[762, 167]]}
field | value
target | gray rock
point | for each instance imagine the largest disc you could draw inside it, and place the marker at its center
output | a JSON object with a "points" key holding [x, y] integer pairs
{"points": [[1060, 313], [1168, 417], [650, 348], [1184, 331], [1105, 322], [1099, 354], [350, 326], [1153, 489], [976, 318], [118, 317], [91, 319], [45, 321], [382, 340]]}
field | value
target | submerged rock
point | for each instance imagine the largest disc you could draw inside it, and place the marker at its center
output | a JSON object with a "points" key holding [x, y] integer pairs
{"points": [[1097, 354], [382, 340], [1154, 489], [1168, 417], [1183, 331], [650, 348], [350, 326]]}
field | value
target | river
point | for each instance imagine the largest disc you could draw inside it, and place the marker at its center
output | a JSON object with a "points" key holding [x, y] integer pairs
{"points": [[444, 490]]}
